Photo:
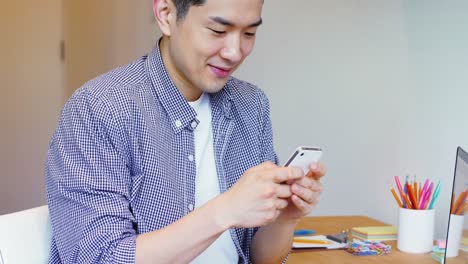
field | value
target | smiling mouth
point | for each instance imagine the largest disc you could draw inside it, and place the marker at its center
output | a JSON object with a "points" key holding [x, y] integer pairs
{"points": [[220, 72]]}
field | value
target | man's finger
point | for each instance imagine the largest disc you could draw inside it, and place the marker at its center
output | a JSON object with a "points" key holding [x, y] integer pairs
{"points": [[283, 174], [310, 183], [281, 204], [317, 170], [301, 204], [284, 191]]}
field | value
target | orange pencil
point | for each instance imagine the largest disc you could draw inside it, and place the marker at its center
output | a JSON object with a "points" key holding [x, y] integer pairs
{"points": [[461, 210], [415, 188], [410, 190], [420, 192], [461, 198], [408, 202], [310, 241], [396, 197]]}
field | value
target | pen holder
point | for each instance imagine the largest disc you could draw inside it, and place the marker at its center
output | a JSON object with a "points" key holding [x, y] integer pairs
{"points": [[454, 235], [415, 230]]}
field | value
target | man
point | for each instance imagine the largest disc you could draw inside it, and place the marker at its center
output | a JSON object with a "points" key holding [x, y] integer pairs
{"points": [[171, 160]]}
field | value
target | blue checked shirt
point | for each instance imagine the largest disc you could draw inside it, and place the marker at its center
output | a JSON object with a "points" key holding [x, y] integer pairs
{"points": [[120, 162]]}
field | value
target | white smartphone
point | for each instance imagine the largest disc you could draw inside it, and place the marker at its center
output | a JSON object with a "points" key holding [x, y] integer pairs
{"points": [[303, 157]]}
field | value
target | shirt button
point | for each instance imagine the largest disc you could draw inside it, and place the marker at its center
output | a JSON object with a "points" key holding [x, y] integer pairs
{"points": [[194, 124], [190, 157], [178, 123], [190, 207]]}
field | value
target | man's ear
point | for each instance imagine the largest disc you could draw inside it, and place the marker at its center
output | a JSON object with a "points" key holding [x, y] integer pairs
{"points": [[165, 14]]}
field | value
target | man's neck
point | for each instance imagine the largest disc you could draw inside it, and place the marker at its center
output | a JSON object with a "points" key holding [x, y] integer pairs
{"points": [[190, 92]]}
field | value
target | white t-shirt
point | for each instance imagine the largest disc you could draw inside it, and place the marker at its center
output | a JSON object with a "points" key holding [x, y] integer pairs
{"points": [[223, 249]]}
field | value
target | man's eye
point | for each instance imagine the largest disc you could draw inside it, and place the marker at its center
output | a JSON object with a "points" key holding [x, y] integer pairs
{"points": [[250, 34], [218, 32]]}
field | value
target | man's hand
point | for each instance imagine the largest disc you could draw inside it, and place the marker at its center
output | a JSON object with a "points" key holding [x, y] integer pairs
{"points": [[260, 194], [305, 194]]}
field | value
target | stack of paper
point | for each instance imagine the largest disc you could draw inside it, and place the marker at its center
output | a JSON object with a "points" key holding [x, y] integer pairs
{"points": [[374, 233], [464, 244]]}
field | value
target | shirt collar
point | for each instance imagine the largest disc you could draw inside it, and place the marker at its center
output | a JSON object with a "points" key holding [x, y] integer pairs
{"points": [[180, 113]]}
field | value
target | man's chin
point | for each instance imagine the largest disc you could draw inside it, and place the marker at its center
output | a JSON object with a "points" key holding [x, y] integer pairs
{"points": [[215, 87]]}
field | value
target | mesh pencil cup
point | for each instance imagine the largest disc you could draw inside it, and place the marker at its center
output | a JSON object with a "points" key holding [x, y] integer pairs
{"points": [[415, 230]]}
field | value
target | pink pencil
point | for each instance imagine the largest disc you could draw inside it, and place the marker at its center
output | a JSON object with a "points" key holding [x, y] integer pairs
{"points": [[402, 194], [428, 197], [423, 193]]}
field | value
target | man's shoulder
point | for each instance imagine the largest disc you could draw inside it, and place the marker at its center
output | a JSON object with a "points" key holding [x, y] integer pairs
{"points": [[243, 92], [116, 84]]}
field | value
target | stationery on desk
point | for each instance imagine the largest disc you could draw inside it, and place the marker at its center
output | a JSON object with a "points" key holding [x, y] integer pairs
{"points": [[315, 242], [413, 196], [374, 233]]}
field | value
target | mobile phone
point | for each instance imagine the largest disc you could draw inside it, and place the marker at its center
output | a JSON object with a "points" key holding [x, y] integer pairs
{"points": [[303, 157]]}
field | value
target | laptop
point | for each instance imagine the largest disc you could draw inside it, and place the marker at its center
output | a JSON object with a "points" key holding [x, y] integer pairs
{"points": [[458, 213]]}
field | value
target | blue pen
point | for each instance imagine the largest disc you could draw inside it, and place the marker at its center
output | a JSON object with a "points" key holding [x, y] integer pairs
{"points": [[406, 191], [436, 194], [304, 232]]}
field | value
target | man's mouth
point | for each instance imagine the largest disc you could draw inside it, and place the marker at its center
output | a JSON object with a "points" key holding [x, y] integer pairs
{"points": [[221, 72]]}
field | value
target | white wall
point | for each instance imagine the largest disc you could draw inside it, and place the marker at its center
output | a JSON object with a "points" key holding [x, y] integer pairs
{"points": [[439, 47], [30, 97], [379, 85]]}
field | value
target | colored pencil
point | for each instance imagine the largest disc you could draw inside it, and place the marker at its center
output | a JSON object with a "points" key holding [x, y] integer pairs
{"points": [[461, 200], [310, 241], [429, 194], [461, 210], [435, 196], [411, 195], [396, 197]]}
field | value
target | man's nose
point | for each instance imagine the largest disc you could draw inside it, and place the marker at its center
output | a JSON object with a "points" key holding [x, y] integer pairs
{"points": [[232, 50]]}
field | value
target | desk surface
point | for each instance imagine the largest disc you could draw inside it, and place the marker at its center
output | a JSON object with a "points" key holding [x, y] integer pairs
{"points": [[336, 224]]}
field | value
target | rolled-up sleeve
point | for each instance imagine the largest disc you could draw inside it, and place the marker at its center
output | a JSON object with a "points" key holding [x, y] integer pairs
{"points": [[89, 185], [266, 140]]}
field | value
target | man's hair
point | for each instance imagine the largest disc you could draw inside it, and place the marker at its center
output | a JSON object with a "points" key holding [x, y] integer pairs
{"points": [[183, 7]]}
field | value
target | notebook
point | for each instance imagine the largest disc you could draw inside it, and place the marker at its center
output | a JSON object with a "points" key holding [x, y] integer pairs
{"points": [[374, 233]]}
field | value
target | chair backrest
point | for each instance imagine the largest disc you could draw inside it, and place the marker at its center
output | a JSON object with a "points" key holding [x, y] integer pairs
{"points": [[25, 236]]}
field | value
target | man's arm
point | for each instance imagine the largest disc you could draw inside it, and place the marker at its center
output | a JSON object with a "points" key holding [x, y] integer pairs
{"points": [[184, 239], [272, 243], [89, 189]]}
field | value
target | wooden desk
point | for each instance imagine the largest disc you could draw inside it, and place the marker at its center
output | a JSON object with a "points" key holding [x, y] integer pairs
{"points": [[335, 224]]}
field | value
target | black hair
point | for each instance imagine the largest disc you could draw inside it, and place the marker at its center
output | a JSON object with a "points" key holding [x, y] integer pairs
{"points": [[183, 7]]}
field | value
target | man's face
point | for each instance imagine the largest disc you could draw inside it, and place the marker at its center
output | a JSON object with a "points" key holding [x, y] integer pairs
{"points": [[208, 45]]}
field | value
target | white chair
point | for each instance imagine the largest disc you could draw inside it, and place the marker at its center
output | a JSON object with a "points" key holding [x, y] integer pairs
{"points": [[25, 236]]}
